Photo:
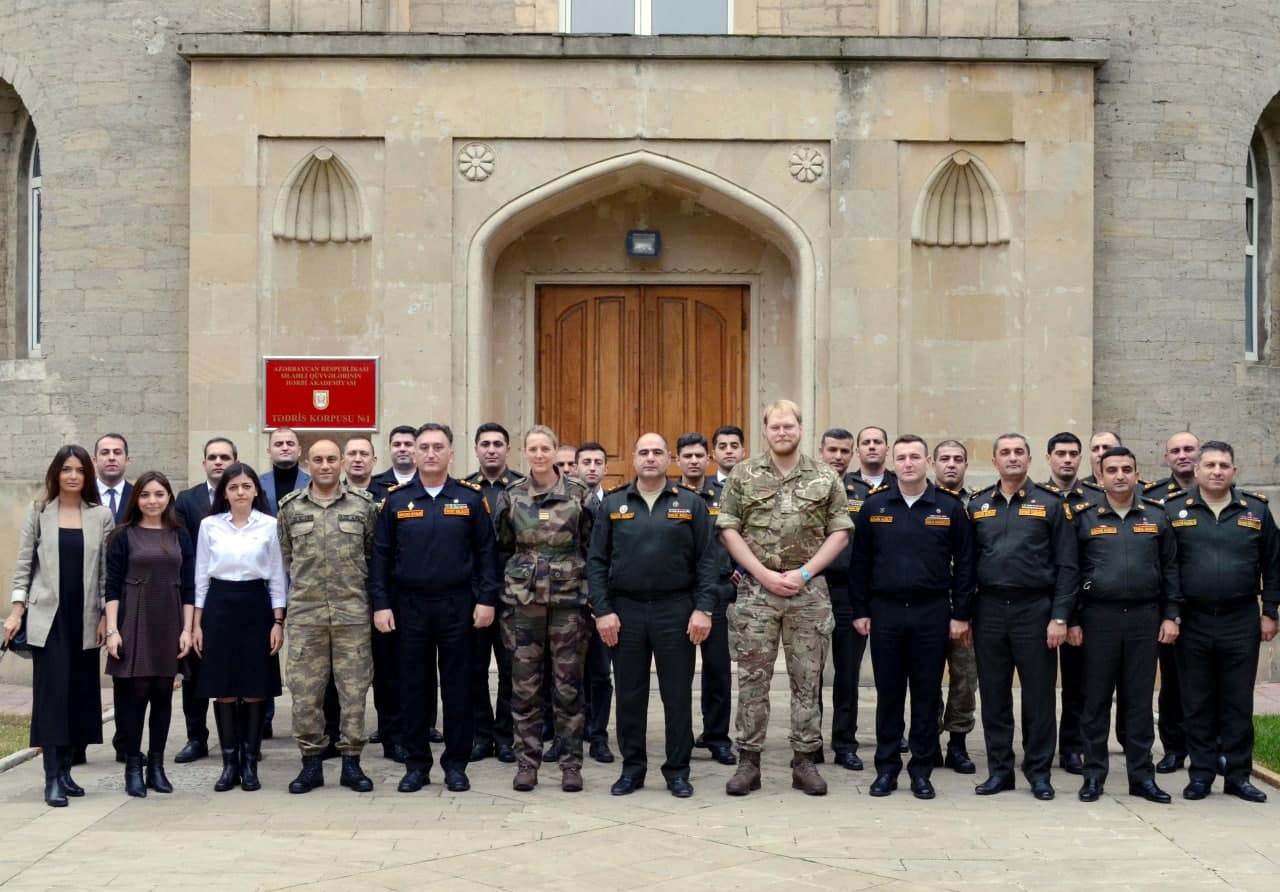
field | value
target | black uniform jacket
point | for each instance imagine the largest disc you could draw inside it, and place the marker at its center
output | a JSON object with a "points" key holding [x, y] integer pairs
{"points": [[1133, 559], [1234, 555], [921, 551], [434, 547], [653, 554], [1025, 544], [496, 492]]}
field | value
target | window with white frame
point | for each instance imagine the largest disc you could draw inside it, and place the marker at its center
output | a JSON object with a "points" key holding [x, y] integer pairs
{"points": [[1251, 320], [646, 17]]}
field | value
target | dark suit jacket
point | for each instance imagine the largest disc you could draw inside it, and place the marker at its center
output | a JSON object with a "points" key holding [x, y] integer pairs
{"points": [[193, 507], [123, 503]]}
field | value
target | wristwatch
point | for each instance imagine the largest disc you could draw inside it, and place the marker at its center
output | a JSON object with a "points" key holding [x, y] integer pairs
{"points": [[1059, 622], [707, 613], [805, 574]]}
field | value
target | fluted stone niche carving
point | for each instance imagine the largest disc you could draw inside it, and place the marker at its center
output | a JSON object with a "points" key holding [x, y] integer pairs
{"points": [[321, 201], [961, 205]]}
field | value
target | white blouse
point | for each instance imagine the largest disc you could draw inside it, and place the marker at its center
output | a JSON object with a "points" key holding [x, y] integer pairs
{"points": [[238, 554]]}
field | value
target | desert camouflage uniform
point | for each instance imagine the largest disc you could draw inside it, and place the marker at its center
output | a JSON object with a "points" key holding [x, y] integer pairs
{"points": [[326, 547], [784, 521], [542, 538]]}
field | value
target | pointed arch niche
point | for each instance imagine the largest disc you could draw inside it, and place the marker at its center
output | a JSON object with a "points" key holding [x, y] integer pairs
{"points": [[321, 201], [961, 205], [637, 172]]}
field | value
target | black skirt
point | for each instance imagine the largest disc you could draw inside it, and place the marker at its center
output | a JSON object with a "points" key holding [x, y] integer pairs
{"points": [[236, 624]]}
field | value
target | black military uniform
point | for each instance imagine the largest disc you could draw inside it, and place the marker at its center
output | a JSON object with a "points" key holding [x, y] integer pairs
{"points": [[434, 559], [912, 573], [493, 728], [847, 645], [653, 567], [717, 669], [1071, 662], [1027, 577], [597, 681], [1170, 727], [1128, 585], [1220, 562]]}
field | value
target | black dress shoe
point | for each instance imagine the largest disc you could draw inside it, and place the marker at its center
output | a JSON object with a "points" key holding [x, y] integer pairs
{"points": [[600, 752], [414, 780], [922, 788], [1042, 790], [1197, 789], [958, 760], [1170, 763], [626, 785], [1244, 790], [554, 752], [506, 752], [883, 785], [849, 760], [680, 787], [1072, 763], [195, 749], [434, 736], [455, 780], [723, 753], [481, 751], [1090, 790], [1148, 790], [997, 783]]}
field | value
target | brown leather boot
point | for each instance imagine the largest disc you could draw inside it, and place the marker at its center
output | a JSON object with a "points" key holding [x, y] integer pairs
{"points": [[804, 775], [526, 778], [571, 779], [747, 777]]}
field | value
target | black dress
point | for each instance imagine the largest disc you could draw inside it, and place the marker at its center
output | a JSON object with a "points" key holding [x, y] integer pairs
{"points": [[66, 696]]}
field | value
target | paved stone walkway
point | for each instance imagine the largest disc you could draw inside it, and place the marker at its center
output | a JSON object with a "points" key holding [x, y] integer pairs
{"points": [[493, 838]]}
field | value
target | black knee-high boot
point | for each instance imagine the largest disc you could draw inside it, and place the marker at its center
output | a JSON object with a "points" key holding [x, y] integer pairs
{"points": [[65, 758], [54, 795], [226, 716], [252, 717]]}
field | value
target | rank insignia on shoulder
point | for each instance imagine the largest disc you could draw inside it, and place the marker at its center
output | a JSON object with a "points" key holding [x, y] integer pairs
{"points": [[1254, 495], [475, 486], [881, 488], [1051, 487], [950, 492], [1080, 506], [620, 486]]}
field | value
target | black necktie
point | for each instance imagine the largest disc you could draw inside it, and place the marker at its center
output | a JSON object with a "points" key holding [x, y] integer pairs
{"points": [[111, 493]]}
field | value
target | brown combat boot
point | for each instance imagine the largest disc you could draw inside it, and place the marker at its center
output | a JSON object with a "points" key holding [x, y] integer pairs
{"points": [[526, 778], [571, 779], [747, 777], [804, 775]]}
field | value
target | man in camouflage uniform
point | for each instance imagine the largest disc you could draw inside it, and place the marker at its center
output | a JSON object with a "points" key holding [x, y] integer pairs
{"points": [[326, 537], [783, 518]]}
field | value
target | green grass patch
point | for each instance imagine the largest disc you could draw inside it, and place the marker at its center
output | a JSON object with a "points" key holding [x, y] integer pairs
{"points": [[14, 733], [1266, 740]]}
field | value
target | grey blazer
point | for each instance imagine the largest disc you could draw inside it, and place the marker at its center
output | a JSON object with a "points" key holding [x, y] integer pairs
{"points": [[38, 547]]}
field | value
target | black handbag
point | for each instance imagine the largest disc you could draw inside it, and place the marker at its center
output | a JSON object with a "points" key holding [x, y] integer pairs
{"points": [[18, 644]]}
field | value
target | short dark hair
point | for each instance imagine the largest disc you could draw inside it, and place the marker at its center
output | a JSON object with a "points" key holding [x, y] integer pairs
{"points": [[435, 426], [220, 502], [906, 438], [835, 433], [590, 446], [209, 442], [693, 438], [1011, 435], [286, 428], [111, 436], [1063, 437], [1119, 442], [492, 427], [884, 434], [88, 495], [955, 443], [402, 429], [1218, 446], [1117, 452], [728, 430], [351, 439]]}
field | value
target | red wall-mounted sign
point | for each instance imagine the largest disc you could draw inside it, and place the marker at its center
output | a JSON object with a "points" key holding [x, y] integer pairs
{"points": [[314, 393]]}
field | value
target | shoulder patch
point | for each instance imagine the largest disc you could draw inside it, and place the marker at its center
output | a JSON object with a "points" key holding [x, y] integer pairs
{"points": [[470, 485], [1254, 495], [297, 493]]}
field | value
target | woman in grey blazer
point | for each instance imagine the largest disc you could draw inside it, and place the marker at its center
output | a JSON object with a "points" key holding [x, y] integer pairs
{"points": [[58, 583]]}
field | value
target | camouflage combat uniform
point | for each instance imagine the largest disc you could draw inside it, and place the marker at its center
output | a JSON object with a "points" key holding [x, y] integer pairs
{"points": [[542, 539], [326, 547], [784, 521]]}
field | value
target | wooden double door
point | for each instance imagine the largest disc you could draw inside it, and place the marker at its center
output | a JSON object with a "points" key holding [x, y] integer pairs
{"points": [[616, 361]]}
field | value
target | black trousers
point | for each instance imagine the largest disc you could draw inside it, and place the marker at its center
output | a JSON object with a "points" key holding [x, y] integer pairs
{"points": [[1009, 635], [717, 679], [1173, 736], [908, 650], [386, 684], [1217, 653], [1071, 665], [430, 629], [492, 721], [597, 684], [654, 632], [132, 697], [195, 709], [847, 651], [1120, 658]]}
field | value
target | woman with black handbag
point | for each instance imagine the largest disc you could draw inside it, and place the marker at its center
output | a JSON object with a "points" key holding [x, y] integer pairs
{"points": [[57, 589], [150, 598]]}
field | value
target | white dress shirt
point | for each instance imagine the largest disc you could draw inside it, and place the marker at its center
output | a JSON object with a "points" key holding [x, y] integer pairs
{"points": [[103, 491], [238, 554]]}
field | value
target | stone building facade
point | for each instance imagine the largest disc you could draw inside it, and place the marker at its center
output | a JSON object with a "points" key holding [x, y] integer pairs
{"points": [[957, 217]]}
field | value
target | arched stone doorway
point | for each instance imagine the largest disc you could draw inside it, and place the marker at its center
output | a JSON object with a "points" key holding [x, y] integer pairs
{"points": [[570, 231]]}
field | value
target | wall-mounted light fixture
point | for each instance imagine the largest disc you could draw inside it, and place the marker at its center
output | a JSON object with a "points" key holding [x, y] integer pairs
{"points": [[644, 243]]}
